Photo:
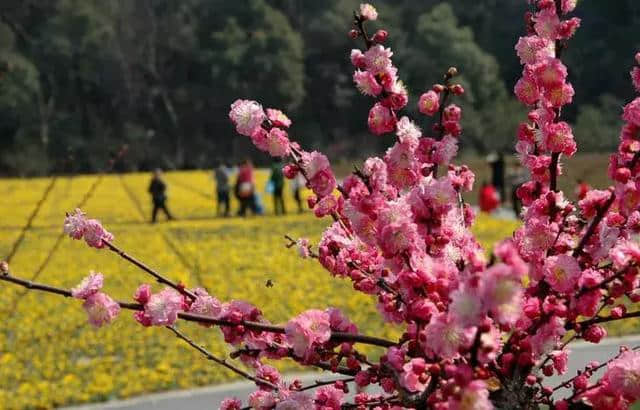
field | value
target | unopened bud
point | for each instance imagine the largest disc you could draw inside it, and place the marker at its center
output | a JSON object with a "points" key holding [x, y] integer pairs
{"points": [[380, 36], [452, 72], [438, 88], [354, 34], [4, 268], [638, 57], [457, 89]]}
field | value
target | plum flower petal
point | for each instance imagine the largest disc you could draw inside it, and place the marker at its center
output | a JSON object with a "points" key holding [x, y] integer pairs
{"points": [[89, 285]]}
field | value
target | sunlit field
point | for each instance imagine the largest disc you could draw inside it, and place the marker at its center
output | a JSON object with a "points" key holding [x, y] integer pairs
{"points": [[49, 356]]}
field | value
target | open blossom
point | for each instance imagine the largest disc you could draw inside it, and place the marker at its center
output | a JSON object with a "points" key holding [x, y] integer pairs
{"points": [[531, 49], [95, 235], [378, 59], [547, 23], [206, 305], [302, 245], [368, 12], [329, 398], [429, 103], [89, 285], [231, 404], [526, 89], [278, 118], [74, 224], [296, 401], [551, 72], [247, 116], [474, 396], [562, 272], [414, 376], [308, 328], [262, 400], [623, 375], [367, 83], [163, 307], [101, 309], [558, 137], [632, 112], [444, 336], [277, 143], [381, 119]]}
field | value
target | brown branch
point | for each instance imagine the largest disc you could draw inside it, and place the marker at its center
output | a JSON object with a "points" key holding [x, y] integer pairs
{"points": [[359, 23], [553, 171], [192, 317], [604, 319], [221, 362], [158, 277], [320, 383], [594, 224]]}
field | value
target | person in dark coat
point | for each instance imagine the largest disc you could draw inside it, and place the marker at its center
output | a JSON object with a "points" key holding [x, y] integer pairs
{"points": [[277, 180], [157, 189], [497, 173]]}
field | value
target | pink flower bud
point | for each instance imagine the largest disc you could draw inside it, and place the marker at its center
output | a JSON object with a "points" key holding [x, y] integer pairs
{"points": [[290, 171], [457, 89], [380, 36], [594, 334], [4, 268], [354, 34]]}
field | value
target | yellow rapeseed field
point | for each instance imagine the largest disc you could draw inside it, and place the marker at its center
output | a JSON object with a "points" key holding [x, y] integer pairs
{"points": [[49, 356]]}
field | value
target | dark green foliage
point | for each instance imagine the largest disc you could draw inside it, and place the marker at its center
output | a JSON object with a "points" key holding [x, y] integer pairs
{"points": [[81, 78]]}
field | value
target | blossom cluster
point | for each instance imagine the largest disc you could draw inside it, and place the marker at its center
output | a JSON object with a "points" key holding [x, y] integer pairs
{"points": [[401, 233], [478, 332]]}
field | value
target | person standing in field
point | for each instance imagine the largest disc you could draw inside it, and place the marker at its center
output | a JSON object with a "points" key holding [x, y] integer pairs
{"points": [[489, 199], [158, 191], [245, 188], [222, 174], [297, 183], [581, 189], [277, 181]]}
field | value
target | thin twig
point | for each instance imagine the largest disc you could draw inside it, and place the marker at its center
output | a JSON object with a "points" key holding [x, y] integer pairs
{"points": [[158, 277], [192, 317], [221, 362], [594, 224]]}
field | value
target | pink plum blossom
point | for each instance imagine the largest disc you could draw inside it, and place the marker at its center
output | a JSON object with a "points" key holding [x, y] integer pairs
{"points": [[547, 23], [278, 118], [247, 116], [635, 78], [305, 330], [414, 377], [329, 398], [231, 404], [429, 103], [474, 396], [75, 224], [206, 305], [277, 143], [444, 336], [381, 120], [378, 59], [95, 235], [562, 272], [632, 112], [368, 12], [623, 375], [101, 309], [296, 401], [163, 307], [302, 245], [89, 285], [367, 83]]}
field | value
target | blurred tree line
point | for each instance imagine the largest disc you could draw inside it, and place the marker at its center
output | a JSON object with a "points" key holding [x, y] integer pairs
{"points": [[81, 78]]}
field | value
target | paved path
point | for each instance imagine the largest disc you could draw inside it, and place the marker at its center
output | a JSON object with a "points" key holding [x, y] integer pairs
{"points": [[209, 398]]}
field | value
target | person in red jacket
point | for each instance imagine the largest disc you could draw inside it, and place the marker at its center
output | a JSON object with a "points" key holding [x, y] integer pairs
{"points": [[488, 198], [581, 189]]}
